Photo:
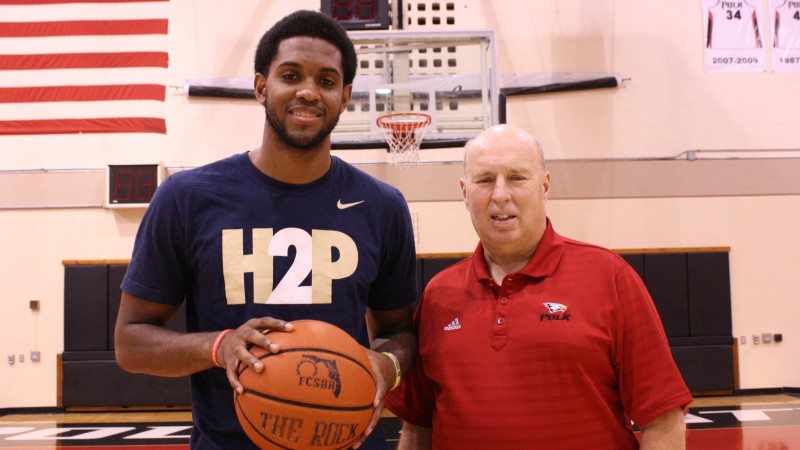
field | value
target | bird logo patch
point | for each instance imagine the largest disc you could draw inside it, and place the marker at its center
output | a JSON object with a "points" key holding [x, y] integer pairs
{"points": [[555, 307], [555, 311]]}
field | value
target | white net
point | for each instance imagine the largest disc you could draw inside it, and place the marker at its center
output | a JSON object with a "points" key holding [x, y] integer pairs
{"points": [[404, 133]]}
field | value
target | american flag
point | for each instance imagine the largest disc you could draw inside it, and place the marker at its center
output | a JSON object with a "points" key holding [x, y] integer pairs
{"points": [[89, 66]]}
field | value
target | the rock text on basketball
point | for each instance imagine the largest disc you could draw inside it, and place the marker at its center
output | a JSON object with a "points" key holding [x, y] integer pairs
{"points": [[286, 428], [331, 433]]}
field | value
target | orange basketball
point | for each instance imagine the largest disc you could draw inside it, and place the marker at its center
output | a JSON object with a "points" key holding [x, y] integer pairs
{"points": [[316, 392]]}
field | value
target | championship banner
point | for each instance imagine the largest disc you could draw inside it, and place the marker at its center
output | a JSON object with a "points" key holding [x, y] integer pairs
{"points": [[733, 32], [90, 66], [785, 35]]}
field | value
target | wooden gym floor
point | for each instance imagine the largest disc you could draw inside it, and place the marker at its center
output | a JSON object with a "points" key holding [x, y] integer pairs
{"points": [[714, 423]]}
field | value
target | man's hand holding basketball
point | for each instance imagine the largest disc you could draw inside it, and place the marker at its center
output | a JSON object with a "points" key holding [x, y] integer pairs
{"points": [[231, 347], [383, 370]]}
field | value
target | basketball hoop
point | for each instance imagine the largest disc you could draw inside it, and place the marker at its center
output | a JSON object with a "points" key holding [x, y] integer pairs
{"points": [[403, 132]]}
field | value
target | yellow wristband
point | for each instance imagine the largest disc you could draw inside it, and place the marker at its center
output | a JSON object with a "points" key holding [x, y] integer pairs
{"points": [[398, 374]]}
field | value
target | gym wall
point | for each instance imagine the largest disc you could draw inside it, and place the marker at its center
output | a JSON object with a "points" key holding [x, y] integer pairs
{"points": [[669, 105]]}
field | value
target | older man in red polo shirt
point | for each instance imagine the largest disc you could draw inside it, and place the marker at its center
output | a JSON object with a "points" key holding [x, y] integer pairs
{"points": [[536, 341]]}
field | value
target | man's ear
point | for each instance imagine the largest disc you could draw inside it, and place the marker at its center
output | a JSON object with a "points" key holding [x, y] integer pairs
{"points": [[463, 184], [546, 186], [346, 92], [260, 87]]}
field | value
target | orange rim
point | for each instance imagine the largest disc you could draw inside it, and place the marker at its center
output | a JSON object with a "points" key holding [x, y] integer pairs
{"points": [[403, 121]]}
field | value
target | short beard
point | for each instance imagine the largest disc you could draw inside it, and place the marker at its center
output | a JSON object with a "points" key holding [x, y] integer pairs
{"points": [[309, 143]]}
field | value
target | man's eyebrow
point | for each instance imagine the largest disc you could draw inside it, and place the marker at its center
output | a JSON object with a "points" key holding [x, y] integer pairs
{"points": [[297, 65], [331, 69], [510, 171], [520, 171], [288, 63], [481, 173]]}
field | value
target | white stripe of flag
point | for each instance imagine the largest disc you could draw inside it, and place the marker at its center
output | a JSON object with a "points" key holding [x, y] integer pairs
{"points": [[94, 81]]}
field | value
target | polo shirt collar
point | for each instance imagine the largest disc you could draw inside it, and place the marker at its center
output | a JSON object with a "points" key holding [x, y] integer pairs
{"points": [[543, 263]]}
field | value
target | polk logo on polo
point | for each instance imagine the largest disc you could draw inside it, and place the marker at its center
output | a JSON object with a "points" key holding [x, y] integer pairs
{"points": [[555, 311]]}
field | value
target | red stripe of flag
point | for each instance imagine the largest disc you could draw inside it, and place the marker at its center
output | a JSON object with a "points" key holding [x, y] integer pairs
{"points": [[66, 123], [83, 93], [83, 28], [47, 2], [72, 126], [83, 60]]}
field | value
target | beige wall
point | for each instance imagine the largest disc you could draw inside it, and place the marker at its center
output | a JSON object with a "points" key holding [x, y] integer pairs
{"points": [[670, 105]]}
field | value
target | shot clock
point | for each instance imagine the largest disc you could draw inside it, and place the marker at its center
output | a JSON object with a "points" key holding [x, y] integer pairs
{"points": [[358, 14], [132, 185]]}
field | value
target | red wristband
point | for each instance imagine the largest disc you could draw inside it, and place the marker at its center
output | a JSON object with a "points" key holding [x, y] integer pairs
{"points": [[215, 347]]}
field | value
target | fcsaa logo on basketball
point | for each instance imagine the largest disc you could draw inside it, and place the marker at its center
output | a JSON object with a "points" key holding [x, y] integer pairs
{"points": [[308, 374]]}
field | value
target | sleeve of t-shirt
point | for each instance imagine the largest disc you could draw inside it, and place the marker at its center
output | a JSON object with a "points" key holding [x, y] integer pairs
{"points": [[414, 400], [157, 271], [650, 383], [396, 283]]}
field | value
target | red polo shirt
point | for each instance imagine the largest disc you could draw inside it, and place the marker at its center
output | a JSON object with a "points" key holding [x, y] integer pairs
{"points": [[562, 355]]}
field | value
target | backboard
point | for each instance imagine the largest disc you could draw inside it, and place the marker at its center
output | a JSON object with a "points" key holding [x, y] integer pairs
{"points": [[449, 75]]}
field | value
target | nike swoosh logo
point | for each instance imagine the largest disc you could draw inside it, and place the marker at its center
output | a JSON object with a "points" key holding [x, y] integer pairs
{"points": [[341, 205]]}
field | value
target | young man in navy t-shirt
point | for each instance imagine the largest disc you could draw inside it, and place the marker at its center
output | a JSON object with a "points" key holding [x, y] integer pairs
{"points": [[279, 233]]}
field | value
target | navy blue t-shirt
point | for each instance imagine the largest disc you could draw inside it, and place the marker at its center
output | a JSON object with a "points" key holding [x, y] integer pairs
{"points": [[237, 244]]}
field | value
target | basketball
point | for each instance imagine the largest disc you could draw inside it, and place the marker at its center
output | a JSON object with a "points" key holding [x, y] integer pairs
{"points": [[317, 392]]}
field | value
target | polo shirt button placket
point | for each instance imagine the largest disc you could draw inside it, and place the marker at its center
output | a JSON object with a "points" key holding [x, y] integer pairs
{"points": [[500, 333], [500, 328]]}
